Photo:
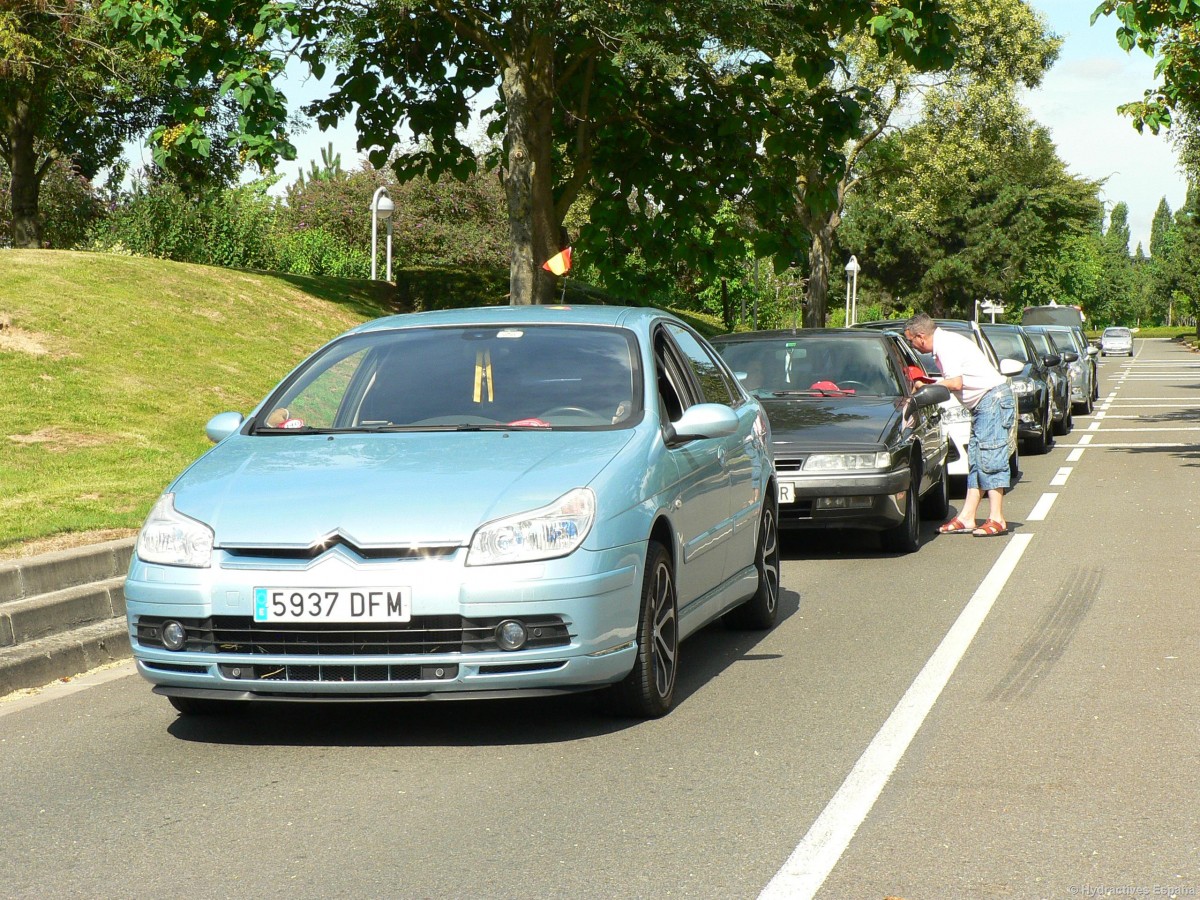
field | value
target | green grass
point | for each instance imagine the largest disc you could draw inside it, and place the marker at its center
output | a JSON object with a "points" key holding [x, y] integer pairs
{"points": [[113, 365]]}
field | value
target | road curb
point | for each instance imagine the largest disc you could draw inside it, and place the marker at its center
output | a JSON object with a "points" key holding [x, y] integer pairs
{"points": [[62, 613]]}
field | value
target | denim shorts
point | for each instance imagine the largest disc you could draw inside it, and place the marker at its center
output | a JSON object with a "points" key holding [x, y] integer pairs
{"points": [[988, 450]]}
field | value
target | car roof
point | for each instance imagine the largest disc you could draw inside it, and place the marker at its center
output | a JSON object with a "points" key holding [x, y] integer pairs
{"points": [[855, 334], [583, 314]]}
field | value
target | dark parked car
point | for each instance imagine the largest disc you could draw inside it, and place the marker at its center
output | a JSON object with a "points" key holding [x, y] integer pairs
{"points": [[856, 434], [1085, 381], [1031, 386], [1057, 368]]}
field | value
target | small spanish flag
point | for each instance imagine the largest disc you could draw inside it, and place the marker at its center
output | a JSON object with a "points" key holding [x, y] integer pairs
{"points": [[560, 263]]}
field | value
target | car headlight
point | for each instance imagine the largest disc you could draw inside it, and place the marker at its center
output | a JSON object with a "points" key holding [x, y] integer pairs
{"points": [[546, 533], [173, 539], [1022, 387], [847, 462]]}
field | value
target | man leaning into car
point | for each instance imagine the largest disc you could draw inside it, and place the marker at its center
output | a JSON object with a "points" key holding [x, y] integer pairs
{"points": [[977, 384]]}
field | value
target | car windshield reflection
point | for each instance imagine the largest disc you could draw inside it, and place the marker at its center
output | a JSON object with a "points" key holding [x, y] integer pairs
{"points": [[462, 379], [799, 366]]}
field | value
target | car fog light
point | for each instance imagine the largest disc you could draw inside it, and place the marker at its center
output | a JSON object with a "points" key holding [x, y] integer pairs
{"points": [[174, 635], [844, 502], [511, 635]]}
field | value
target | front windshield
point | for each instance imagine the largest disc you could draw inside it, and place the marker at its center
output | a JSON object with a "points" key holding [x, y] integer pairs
{"points": [[819, 366], [1008, 345], [533, 376]]}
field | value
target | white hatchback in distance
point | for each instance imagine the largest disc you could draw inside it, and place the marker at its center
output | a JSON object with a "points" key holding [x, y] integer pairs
{"points": [[1116, 341]]}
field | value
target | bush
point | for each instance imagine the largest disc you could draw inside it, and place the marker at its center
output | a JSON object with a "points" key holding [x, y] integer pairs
{"points": [[315, 251], [232, 227]]}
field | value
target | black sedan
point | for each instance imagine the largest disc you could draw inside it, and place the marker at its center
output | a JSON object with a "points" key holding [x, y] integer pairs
{"points": [[1031, 386], [857, 438]]}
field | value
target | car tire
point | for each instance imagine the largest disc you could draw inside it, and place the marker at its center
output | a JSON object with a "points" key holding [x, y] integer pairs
{"points": [[1043, 441], [936, 502], [760, 612], [648, 691], [905, 537], [200, 706], [1063, 426]]}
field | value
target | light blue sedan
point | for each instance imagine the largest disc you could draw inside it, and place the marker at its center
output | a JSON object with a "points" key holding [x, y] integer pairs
{"points": [[461, 504]]}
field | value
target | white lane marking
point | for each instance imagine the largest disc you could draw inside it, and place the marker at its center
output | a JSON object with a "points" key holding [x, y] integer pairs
{"points": [[1085, 439], [1095, 426], [1041, 508], [1060, 477], [1075, 455], [819, 851]]}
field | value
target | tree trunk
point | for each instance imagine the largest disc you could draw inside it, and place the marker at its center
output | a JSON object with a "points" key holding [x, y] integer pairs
{"points": [[22, 166], [528, 87], [818, 273]]}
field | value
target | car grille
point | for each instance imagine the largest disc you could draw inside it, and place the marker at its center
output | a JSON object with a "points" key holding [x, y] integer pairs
{"points": [[422, 635], [800, 511]]}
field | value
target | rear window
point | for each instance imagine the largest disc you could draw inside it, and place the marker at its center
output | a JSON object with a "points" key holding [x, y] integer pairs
{"points": [[1117, 332]]}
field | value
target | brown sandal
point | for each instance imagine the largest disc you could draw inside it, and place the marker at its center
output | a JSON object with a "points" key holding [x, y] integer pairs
{"points": [[990, 528], [955, 526]]}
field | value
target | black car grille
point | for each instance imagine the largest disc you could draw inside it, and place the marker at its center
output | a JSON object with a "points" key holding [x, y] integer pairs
{"points": [[422, 635], [800, 511]]}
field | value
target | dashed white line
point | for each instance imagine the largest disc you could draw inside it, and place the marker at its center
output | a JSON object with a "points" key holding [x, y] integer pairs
{"points": [[816, 855], [1060, 477], [1041, 508]]}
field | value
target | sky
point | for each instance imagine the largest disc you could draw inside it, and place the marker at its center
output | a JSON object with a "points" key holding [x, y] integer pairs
{"points": [[1077, 102]]}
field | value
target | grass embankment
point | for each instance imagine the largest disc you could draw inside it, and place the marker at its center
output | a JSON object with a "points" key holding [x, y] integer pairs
{"points": [[110, 366]]}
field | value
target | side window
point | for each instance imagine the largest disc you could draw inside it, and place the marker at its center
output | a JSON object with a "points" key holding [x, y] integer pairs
{"points": [[715, 385], [670, 381]]}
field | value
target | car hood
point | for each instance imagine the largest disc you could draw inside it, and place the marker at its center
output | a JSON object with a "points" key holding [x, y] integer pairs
{"points": [[383, 490], [826, 422]]}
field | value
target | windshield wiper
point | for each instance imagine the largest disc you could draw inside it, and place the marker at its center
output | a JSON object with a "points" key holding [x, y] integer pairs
{"points": [[815, 392]]}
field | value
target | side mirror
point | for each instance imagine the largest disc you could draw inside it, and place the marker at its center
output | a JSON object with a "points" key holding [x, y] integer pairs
{"points": [[1011, 367], [1052, 359], [1070, 356], [931, 395], [1093, 352], [223, 425], [704, 420]]}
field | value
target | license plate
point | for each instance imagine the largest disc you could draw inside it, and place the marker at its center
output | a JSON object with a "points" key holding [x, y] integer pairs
{"points": [[332, 604], [787, 492]]}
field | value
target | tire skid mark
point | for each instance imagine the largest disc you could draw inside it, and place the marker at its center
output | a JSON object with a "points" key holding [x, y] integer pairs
{"points": [[1050, 638]]}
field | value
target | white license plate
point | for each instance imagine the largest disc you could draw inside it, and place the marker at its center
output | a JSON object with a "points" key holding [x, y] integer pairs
{"points": [[332, 604], [787, 492]]}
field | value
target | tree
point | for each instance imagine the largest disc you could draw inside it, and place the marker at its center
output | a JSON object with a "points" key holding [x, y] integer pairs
{"points": [[966, 204], [64, 95], [882, 84], [649, 108], [1166, 31]]}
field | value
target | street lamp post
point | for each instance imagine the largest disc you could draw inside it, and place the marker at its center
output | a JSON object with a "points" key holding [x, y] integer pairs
{"points": [[852, 270], [382, 207]]}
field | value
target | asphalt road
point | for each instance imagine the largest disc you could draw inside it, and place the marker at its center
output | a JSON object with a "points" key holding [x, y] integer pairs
{"points": [[1004, 717]]}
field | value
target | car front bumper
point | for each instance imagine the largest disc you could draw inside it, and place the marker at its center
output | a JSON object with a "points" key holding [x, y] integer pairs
{"points": [[580, 612], [868, 500]]}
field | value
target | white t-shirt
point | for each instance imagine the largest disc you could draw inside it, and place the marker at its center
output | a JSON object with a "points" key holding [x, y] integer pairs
{"points": [[958, 355]]}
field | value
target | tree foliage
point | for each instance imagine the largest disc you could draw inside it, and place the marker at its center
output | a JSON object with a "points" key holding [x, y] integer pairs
{"points": [[1166, 30], [647, 109], [878, 88], [969, 204]]}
